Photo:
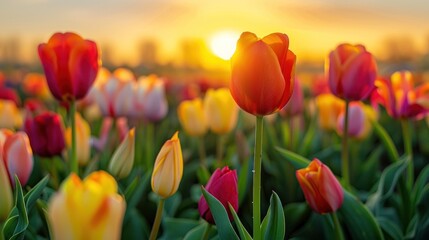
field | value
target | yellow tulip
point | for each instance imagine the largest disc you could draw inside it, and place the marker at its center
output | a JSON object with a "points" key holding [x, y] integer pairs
{"points": [[10, 116], [88, 209], [191, 117], [220, 110], [6, 199], [122, 160], [329, 108], [83, 137], [168, 169]]}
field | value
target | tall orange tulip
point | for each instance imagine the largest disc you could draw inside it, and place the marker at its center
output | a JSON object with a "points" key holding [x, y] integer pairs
{"points": [[70, 64], [352, 71], [321, 189], [88, 209], [262, 73]]}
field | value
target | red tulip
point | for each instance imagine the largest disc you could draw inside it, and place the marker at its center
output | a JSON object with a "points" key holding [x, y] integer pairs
{"points": [[10, 94], [351, 72], [17, 155], [321, 189], [400, 98], [70, 64], [46, 134], [262, 73], [223, 186]]}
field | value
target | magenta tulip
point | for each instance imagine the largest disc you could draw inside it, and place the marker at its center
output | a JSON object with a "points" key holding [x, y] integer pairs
{"points": [[223, 186], [351, 72], [46, 134]]}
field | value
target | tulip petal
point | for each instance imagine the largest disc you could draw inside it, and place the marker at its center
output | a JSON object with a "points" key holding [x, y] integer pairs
{"points": [[257, 83], [359, 77], [18, 157]]}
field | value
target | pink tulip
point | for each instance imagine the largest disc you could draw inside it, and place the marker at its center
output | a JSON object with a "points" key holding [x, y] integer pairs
{"points": [[223, 186], [295, 106], [150, 99], [321, 189], [356, 120], [351, 72], [17, 155]]}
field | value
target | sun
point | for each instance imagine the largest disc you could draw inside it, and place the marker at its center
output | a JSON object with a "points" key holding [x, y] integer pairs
{"points": [[222, 44]]}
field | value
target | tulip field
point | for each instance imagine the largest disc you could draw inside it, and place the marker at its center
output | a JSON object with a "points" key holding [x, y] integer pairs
{"points": [[91, 152]]}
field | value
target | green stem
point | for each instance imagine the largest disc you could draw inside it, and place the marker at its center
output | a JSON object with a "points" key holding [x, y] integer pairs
{"points": [[1, 231], [149, 147], [220, 148], [157, 221], [345, 148], [291, 134], [406, 135], [202, 151], [74, 167], [207, 232], [337, 227], [257, 179]]}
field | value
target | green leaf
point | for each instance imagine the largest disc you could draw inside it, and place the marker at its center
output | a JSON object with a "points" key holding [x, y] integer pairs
{"points": [[297, 215], [420, 183], [17, 222], [387, 183], [134, 199], [387, 141], [197, 232], [358, 220], [225, 229], [242, 231], [308, 138], [390, 228], [34, 194], [297, 161], [175, 228], [276, 221]]}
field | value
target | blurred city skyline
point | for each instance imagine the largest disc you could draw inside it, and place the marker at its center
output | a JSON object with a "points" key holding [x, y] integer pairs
{"points": [[179, 32]]}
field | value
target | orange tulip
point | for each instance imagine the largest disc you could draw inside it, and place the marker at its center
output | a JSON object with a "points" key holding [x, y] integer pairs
{"points": [[321, 189], [70, 64], [262, 73]]}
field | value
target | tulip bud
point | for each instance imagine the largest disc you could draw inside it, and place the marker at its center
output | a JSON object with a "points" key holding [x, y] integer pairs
{"points": [[46, 134], [83, 137], [191, 117], [223, 186], [17, 155], [262, 73], [122, 160], [168, 168], [352, 71], [88, 209], [321, 189], [220, 110], [356, 120], [70, 64]]}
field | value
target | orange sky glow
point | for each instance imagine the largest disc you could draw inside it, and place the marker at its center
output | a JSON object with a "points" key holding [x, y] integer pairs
{"points": [[314, 27]]}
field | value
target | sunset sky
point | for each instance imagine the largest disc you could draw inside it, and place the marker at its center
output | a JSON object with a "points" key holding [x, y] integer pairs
{"points": [[314, 26]]}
